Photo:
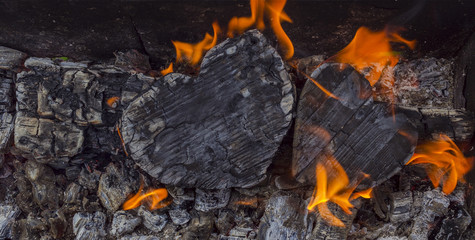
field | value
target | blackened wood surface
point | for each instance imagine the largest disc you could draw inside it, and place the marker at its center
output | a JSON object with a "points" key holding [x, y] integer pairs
{"points": [[359, 133], [217, 130]]}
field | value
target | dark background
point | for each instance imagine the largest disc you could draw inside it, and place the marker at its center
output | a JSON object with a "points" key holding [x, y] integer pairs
{"points": [[84, 30]]}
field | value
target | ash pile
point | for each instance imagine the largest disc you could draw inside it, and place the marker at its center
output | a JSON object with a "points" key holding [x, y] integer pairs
{"points": [[112, 151]]}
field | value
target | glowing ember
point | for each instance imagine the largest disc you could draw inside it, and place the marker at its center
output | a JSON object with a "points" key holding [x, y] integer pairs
{"points": [[153, 197], [332, 185], [275, 13], [372, 51], [444, 161], [193, 52], [168, 70], [112, 102]]}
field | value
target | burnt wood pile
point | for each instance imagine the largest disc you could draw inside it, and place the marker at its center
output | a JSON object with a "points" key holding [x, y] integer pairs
{"points": [[78, 138]]}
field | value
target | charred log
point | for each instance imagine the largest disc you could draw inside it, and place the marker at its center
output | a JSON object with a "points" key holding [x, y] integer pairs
{"points": [[219, 129], [360, 134]]}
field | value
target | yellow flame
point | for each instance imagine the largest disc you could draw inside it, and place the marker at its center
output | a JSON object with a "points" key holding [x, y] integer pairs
{"points": [[442, 160]]}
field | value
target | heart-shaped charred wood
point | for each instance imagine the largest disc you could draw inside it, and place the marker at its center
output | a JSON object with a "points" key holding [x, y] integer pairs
{"points": [[219, 129], [361, 135]]}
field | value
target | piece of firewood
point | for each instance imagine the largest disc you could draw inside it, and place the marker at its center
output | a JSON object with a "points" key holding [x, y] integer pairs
{"points": [[219, 129], [359, 133]]}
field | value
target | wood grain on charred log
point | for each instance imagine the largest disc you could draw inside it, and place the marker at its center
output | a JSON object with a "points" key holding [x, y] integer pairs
{"points": [[359, 133], [219, 129]]}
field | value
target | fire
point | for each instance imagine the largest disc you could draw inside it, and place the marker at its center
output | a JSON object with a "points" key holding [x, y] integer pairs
{"points": [[168, 70], [274, 11], [239, 25], [153, 197], [122, 141], [112, 102], [444, 161], [333, 185], [193, 52], [372, 51]]}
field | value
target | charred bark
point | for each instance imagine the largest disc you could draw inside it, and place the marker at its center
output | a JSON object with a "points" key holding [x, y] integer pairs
{"points": [[219, 129]]}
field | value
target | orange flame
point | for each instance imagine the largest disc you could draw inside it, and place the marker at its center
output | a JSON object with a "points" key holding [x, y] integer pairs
{"points": [[193, 52], [239, 25], [168, 70], [367, 193], [275, 9], [153, 197], [275, 13], [112, 102], [332, 185], [251, 202], [372, 50], [122, 141], [444, 161]]}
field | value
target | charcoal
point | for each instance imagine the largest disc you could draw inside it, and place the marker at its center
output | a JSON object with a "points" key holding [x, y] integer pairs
{"points": [[8, 214], [7, 92], [11, 59], [57, 103], [245, 100], [43, 182], [207, 200], [428, 206], [6, 130], [225, 221], [200, 227], [72, 194], [454, 224], [123, 223], [89, 225], [181, 195], [284, 218], [179, 216], [360, 134], [57, 223], [140, 238], [420, 83], [152, 221], [401, 206], [114, 187], [89, 180]]}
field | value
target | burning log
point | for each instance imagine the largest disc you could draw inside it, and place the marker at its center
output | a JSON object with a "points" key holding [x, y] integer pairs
{"points": [[219, 129], [359, 133]]}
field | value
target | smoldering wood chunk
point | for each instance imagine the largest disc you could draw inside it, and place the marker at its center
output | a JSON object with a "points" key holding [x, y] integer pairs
{"points": [[11, 59], [284, 218], [114, 187], [89, 225], [207, 200], [65, 107], [45, 140], [321, 229], [458, 124], [217, 130], [8, 214], [6, 130], [359, 133], [454, 224]]}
